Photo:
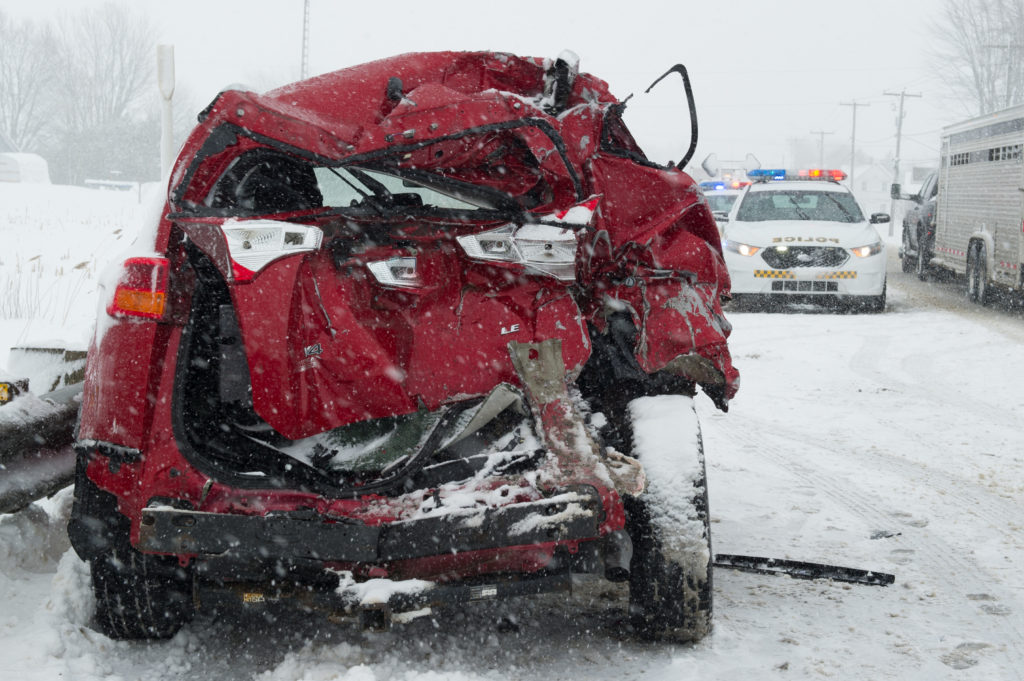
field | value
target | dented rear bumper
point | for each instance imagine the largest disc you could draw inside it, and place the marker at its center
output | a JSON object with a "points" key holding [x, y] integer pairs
{"points": [[306, 536]]}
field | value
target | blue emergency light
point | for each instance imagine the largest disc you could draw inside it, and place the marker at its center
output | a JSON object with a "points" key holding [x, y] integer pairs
{"points": [[763, 174], [723, 184]]}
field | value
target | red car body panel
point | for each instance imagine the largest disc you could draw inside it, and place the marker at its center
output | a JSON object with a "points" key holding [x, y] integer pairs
{"points": [[327, 346]]}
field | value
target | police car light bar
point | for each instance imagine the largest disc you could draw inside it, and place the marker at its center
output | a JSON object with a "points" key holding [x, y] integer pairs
{"points": [[723, 184], [763, 174]]}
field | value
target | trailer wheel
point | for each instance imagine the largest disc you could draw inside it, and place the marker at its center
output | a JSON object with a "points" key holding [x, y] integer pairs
{"points": [[140, 596], [670, 581], [977, 274], [906, 262]]}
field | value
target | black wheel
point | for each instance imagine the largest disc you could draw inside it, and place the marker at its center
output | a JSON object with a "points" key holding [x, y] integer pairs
{"points": [[921, 266], [140, 596], [137, 596], [877, 303], [670, 581], [977, 274], [906, 262]]}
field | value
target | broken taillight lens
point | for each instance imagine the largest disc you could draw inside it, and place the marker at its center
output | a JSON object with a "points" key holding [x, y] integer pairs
{"points": [[141, 289], [254, 244], [544, 247], [396, 272]]}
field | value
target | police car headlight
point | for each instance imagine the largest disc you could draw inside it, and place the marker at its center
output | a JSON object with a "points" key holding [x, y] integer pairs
{"points": [[866, 251], [742, 249]]}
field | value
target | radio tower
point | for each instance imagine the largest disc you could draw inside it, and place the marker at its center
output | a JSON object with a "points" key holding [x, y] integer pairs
{"points": [[305, 40]]}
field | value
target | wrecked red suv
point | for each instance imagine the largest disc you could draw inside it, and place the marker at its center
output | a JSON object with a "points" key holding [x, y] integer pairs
{"points": [[421, 331]]}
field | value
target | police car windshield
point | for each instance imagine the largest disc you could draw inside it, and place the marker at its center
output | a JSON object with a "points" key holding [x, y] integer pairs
{"points": [[720, 202], [792, 204]]}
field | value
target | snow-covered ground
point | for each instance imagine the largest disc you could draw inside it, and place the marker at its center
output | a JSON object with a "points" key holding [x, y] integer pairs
{"points": [[890, 442]]}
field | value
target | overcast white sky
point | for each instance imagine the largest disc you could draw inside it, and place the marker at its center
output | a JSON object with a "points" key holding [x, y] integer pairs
{"points": [[764, 73]]}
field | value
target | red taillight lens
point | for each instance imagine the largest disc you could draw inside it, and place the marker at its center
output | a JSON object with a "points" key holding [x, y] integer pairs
{"points": [[142, 289]]}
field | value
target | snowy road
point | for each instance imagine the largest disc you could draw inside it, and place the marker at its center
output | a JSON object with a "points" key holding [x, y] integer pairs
{"points": [[889, 442]]}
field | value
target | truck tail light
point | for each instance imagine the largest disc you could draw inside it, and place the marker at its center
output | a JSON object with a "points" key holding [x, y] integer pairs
{"points": [[141, 289]]}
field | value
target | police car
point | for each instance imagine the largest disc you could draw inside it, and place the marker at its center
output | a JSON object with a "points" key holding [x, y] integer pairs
{"points": [[721, 195], [799, 236]]}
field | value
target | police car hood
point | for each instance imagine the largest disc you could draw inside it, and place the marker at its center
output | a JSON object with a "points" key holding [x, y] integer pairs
{"points": [[802, 233]]}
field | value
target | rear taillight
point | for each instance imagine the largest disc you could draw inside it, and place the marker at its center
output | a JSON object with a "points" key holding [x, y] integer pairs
{"points": [[396, 272], [545, 247], [254, 244], [142, 289]]}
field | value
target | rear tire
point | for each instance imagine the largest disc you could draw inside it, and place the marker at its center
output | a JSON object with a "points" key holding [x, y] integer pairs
{"points": [[906, 262], [670, 581], [921, 266], [140, 596]]}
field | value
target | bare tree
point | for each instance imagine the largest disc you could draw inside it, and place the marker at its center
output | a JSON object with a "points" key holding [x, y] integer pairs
{"points": [[980, 51], [105, 63], [26, 78]]}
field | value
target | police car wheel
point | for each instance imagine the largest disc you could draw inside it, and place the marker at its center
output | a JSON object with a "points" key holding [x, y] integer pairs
{"points": [[877, 303]]}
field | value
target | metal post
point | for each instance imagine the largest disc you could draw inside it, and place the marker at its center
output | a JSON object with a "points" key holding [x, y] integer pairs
{"points": [[165, 83], [896, 162], [304, 72], [853, 140]]}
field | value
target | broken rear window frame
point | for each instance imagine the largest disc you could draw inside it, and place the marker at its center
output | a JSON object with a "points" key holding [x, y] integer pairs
{"points": [[229, 133]]}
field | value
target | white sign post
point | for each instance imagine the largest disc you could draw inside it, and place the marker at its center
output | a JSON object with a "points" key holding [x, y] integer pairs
{"points": [[165, 81]]}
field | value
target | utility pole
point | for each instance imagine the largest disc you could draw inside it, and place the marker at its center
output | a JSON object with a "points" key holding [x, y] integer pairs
{"points": [[304, 71], [821, 145], [853, 139], [903, 94]]}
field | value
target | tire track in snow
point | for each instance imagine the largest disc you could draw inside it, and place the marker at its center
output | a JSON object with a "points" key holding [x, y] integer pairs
{"points": [[982, 503], [923, 378], [960, 575]]}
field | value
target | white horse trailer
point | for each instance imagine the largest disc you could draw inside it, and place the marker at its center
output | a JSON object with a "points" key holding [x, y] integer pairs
{"points": [[979, 227]]}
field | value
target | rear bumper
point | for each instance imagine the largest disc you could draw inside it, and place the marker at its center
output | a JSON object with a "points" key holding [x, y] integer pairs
{"points": [[241, 540]]}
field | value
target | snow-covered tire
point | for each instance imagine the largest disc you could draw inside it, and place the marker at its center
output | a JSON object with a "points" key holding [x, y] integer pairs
{"points": [[906, 262], [922, 258], [977, 274], [875, 304], [670, 583], [140, 596]]}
